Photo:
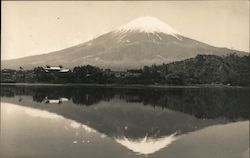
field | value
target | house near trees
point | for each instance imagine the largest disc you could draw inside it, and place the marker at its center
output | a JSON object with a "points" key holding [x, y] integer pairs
{"points": [[56, 69]]}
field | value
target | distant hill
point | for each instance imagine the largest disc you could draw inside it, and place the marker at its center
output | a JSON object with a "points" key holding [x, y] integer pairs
{"points": [[230, 69], [144, 41]]}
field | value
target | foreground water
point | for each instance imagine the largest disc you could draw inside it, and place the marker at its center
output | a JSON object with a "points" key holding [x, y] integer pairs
{"points": [[92, 122]]}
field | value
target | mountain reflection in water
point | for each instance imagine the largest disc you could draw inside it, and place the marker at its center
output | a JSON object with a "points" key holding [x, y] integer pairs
{"points": [[146, 145], [141, 120]]}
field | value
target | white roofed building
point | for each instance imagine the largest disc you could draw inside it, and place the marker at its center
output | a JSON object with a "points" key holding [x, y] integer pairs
{"points": [[56, 69]]}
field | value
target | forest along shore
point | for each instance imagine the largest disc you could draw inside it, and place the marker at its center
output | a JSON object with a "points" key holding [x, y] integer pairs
{"points": [[205, 70]]}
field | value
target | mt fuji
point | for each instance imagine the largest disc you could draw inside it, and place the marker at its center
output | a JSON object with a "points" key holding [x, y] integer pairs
{"points": [[143, 41]]}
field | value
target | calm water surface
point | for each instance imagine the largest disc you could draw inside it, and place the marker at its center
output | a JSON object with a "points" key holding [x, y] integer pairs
{"points": [[91, 122]]}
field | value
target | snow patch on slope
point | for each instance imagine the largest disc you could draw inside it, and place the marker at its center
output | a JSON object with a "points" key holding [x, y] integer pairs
{"points": [[148, 25]]}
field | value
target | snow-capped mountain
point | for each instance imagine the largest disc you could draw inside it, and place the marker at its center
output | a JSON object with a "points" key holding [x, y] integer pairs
{"points": [[148, 25], [143, 41]]}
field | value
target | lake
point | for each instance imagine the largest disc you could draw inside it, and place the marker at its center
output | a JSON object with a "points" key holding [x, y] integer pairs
{"points": [[99, 122]]}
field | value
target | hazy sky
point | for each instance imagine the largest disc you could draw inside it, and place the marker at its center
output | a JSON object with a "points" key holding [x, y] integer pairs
{"points": [[30, 28]]}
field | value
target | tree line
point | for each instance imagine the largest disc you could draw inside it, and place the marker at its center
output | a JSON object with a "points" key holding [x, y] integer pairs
{"points": [[203, 69]]}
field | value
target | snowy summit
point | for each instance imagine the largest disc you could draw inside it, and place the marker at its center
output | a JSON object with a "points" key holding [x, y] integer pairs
{"points": [[149, 25]]}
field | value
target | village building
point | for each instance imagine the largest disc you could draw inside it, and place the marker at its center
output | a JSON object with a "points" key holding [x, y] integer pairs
{"points": [[119, 74], [133, 73], [56, 69]]}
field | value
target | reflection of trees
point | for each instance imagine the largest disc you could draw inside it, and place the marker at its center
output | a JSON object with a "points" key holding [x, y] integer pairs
{"points": [[89, 96], [78, 95], [7, 92], [202, 103]]}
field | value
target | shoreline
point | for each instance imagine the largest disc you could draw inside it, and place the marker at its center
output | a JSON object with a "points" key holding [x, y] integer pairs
{"points": [[122, 85]]}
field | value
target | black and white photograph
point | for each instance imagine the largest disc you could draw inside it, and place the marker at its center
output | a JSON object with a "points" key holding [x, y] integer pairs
{"points": [[125, 79]]}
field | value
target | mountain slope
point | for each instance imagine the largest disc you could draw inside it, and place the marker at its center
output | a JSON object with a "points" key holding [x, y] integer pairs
{"points": [[144, 41]]}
